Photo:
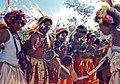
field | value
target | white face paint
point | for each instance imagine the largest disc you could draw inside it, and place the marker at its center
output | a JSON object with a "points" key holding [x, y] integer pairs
{"points": [[46, 26], [62, 37]]}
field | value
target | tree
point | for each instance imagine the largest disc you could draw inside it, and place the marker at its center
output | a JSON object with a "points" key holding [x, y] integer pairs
{"points": [[81, 8], [72, 22], [84, 10]]}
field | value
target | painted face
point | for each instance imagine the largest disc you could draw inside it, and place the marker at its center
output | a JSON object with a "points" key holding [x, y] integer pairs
{"points": [[105, 30], [80, 34], [46, 26], [18, 25], [62, 37]]}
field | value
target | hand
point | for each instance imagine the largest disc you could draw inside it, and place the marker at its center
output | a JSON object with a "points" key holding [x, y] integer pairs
{"points": [[63, 48], [37, 43]]}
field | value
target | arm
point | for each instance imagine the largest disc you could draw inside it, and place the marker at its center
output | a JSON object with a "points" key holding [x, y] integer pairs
{"points": [[4, 37], [115, 15], [34, 43]]}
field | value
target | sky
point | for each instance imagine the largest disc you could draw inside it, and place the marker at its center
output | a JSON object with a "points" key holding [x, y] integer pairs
{"points": [[49, 7], [53, 8]]}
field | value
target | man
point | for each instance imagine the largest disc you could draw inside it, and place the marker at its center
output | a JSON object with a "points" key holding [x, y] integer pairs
{"points": [[60, 44], [10, 70], [40, 42], [77, 39], [109, 23]]}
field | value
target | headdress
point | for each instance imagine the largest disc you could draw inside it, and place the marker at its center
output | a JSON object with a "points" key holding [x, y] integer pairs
{"points": [[106, 18], [11, 17], [101, 15], [61, 30], [45, 18]]}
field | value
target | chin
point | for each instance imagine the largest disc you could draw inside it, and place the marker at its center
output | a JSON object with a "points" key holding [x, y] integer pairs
{"points": [[106, 33], [46, 31]]}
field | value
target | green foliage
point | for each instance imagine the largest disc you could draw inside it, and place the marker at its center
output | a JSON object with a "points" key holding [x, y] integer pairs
{"points": [[81, 7]]}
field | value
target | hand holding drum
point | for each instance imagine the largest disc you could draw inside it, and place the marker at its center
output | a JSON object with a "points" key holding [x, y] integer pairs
{"points": [[52, 58]]}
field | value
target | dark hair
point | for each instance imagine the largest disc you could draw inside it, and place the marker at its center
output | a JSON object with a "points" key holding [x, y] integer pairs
{"points": [[117, 6], [105, 42], [67, 60], [115, 15], [97, 42], [90, 35], [81, 28]]}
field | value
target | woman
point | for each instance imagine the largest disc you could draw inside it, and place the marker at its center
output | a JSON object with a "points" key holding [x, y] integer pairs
{"points": [[109, 22], [10, 71]]}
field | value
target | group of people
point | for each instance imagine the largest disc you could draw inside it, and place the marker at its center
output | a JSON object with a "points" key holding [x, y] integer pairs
{"points": [[77, 55]]}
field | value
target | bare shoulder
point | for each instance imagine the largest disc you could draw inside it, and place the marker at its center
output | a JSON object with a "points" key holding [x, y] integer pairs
{"points": [[34, 36], [4, 36]]}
